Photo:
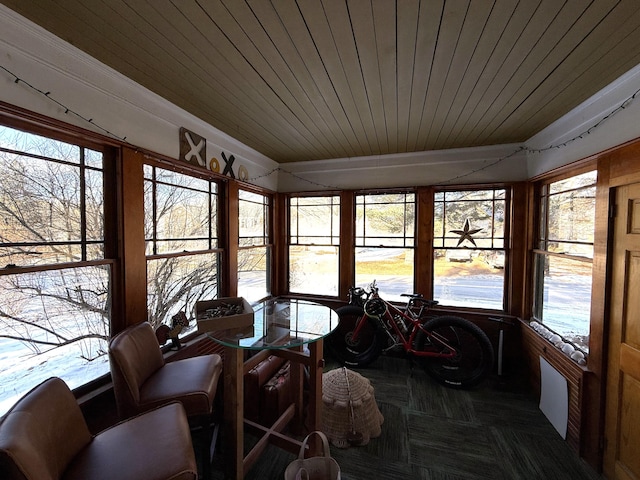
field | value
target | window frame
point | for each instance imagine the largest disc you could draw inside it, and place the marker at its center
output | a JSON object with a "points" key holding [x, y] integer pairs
{"points": [[408, 242], [265, 240], [539, 254], [404, 237], [32, 124], [214, 242], [335, 240], [506, 235]]}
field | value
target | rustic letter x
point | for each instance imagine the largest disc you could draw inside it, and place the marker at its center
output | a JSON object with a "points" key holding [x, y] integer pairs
{"points": [[229, 164], [195, 149]]}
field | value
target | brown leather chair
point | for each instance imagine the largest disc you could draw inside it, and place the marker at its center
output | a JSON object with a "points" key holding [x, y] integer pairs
{"points": [[45, 437], [142, 380]]}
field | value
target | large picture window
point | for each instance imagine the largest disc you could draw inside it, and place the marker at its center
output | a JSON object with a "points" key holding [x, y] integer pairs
{"points": [[55, 280], [385, 239], [314, 243], [254, 248], [469, 248], [183, 255], [563, 257]]}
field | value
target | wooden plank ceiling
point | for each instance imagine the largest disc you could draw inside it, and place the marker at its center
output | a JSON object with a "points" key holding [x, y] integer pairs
{"points": [[308, 79]]}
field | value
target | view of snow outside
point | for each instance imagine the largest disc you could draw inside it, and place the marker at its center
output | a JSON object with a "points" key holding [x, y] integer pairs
{"points": [[54, 333], [21, 369], [313, 270], [567, 300], [54, 319]]}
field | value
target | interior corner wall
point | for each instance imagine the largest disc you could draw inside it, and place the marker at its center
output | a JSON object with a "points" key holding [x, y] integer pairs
{"points": [[78, 88]]}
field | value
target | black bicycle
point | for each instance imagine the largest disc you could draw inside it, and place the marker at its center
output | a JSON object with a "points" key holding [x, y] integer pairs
{"points": [[454, 351]]}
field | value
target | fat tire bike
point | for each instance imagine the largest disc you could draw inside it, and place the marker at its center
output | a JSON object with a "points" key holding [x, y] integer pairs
{"points": [[451, 349]]}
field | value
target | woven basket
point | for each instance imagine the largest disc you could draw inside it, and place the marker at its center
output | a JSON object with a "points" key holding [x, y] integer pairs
{"points": [[349, 408]]}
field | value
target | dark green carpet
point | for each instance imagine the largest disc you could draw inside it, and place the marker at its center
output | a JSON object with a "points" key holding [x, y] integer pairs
{"points": [[431, 432]]}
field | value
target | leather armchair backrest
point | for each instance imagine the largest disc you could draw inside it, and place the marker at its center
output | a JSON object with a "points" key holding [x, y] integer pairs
{"points": [[134, 355], [42, 433]]}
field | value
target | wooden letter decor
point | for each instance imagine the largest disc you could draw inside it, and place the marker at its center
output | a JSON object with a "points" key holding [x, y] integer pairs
{"points": [[228, 168], [193, 148]]}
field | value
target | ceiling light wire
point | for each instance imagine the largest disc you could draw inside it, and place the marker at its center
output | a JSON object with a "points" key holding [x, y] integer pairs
{"points": [[625, 104]]}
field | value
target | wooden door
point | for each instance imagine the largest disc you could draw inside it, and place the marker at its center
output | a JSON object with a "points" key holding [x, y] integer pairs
{"points": [[622, 423]]}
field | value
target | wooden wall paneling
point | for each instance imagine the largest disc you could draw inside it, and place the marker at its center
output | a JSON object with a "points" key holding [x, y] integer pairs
{"points": [[595, 385], [516, 268], [624, 167], [347, 243], [423, 258], [112, 164], [279, 233], [527, 266], [534, 347], [231, 232], [134, 262]]}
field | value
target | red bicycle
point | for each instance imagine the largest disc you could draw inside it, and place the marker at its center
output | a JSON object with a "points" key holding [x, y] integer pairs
{"points": [[454, 351]]}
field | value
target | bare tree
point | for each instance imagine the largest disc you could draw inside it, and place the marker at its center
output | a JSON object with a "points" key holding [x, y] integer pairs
{"points": [[180, 222], [44, 225]]}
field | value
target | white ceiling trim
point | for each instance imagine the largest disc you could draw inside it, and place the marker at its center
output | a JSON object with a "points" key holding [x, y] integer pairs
{"points": [[617, 126], [461, 165]]}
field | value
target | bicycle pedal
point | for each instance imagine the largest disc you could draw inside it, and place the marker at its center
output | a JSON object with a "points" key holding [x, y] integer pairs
{"points": [[396, 347]]}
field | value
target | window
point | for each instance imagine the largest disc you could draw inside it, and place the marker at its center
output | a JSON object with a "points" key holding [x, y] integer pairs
{"points": [[314, 240], [469, 248], [564, 256], [254, 247], [385, 230], [55, 279], [183, 255]]}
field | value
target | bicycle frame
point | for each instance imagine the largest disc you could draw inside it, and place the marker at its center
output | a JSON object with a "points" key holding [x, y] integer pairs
{"points": [[389, 323]]}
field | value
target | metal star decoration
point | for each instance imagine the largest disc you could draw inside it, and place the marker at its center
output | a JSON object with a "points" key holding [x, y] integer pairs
{"points": [[466, 233]]}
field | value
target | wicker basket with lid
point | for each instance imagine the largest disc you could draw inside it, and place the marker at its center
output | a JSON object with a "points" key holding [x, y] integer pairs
{"points": [[350, 415]]}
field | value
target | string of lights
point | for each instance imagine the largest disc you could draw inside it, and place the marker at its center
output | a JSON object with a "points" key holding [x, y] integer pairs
{"points": [[626, 103], [484, 167], [280, 169], [615, 111], [67, 110]]}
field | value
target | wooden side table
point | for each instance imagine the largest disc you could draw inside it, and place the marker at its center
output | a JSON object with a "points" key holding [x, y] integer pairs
{"points": [[281, 327]]}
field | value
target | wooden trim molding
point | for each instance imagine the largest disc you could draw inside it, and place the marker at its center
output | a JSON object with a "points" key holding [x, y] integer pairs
{"points": [[134, 262], [347, 261], [534, 347]]}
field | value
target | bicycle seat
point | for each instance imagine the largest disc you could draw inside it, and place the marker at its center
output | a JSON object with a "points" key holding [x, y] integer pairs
{"points": [[412, 295]]}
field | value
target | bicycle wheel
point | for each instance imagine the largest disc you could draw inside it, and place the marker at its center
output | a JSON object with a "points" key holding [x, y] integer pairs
{"points": [[473, 357], [340, 342]]}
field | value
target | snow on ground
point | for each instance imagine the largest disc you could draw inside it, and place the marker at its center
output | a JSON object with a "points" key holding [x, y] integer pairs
{"points": [[21, 369]]}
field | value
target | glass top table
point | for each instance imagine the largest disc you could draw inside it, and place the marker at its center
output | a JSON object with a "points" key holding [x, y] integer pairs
{"points": [[281, 327], [280, 323]]}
